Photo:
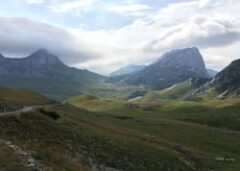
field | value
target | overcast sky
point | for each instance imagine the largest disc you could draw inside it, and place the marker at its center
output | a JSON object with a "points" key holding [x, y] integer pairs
{"points": [[103, 35]]}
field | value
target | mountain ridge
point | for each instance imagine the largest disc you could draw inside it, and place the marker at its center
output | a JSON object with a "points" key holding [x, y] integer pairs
{"points": [[167, 71], [127, 70], [47, 74]]}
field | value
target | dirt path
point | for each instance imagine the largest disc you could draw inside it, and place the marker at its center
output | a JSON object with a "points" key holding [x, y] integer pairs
{"points": [[23, 110]]}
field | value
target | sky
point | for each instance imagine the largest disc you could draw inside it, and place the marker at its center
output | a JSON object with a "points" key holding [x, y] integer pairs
{"points": [[104, 35]]}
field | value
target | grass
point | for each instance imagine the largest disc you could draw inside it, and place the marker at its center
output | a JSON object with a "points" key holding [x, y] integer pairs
{"points": [[9, 160], [175, 92], [103, 133], [113, 91], [12, 99], [77, 137], [94, 103], [208, 129]]}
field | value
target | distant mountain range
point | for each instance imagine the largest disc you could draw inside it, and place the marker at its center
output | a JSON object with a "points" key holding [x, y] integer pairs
{"points": [[127, 70], [211, 72], [45, 73], [173, 67], [180, 70], [135, 68]]}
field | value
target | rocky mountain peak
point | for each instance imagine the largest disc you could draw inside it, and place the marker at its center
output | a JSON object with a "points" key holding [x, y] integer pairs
{"points": [[43, 57], [172, 68], [190, 57]]}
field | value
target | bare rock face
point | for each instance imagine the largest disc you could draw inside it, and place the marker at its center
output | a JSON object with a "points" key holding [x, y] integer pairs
{"points": [[228, 78], [189, 57], [225, 83], [173, 67]]}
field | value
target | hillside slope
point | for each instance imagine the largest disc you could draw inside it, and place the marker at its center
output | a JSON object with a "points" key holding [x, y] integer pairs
{"points": [[228, 78], [206, 132], [13, 99], [119, 135], [223, 85], [45, 73]]}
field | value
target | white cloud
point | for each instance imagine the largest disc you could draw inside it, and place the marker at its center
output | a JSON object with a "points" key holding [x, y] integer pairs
{"points": [[130, 9], [207, 24], [19, 37], [35, 1], [65, 6]]}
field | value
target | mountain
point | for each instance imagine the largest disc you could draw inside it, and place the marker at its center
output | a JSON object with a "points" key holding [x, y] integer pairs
{"points": [[225, 83], [228, 78], [211, 72], [173, 67], [181, 91], [45, 73], [127, 70]]}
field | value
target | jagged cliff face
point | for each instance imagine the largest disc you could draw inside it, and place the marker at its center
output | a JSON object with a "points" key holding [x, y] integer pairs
{"points": [[228, 79], [45, 73], [224, 84], [173, 67], [189, 57]]}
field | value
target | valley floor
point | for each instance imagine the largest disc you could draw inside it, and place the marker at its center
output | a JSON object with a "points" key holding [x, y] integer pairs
{"points": [[105, 134]]}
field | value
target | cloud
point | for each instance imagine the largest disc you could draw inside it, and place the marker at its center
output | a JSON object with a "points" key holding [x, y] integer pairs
{"points": [[129, 9], [20, 37], [66, 6], [202, 31], [35, 1], [207, 24]]}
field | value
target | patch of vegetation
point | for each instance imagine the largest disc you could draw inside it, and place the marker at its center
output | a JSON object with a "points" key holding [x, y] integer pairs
{"points": [[50, 114], [105, 133], [176, 92], [208, 127], [94, 103], [79, 139], [123, 117], [13, 99]]}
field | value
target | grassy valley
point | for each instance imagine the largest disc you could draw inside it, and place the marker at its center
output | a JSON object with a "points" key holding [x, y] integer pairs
{"points": [[77, 140], [203, 133], [95, 133]]}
